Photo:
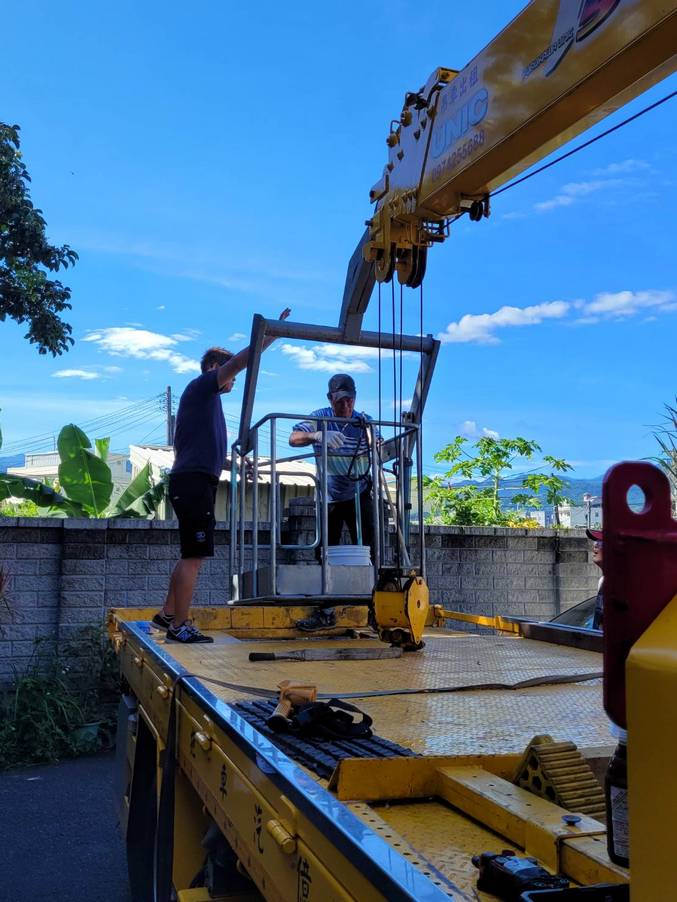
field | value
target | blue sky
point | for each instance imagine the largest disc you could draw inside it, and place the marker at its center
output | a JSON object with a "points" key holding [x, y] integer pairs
{"points": [[209, 162]]}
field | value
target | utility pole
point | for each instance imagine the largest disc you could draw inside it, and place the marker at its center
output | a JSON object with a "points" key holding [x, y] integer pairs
{"points": [[170, 415]]}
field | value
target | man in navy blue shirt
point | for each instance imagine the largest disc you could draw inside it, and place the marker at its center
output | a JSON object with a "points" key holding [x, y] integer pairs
{"points": [[200, 446]]}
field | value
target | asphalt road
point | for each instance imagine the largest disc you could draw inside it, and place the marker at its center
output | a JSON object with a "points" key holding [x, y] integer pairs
{"points": [[59, 835]]}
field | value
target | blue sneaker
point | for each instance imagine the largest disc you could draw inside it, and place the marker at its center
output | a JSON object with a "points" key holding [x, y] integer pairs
{"points": [[187, 634]]}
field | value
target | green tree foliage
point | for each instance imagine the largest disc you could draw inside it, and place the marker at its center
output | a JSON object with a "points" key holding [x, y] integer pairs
{"points": [[27, 295], [480, 504], [85, 483]]}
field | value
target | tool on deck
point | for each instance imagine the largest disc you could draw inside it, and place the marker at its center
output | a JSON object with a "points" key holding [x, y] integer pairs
{"points": [[508, 875], [291, 695], [327, 654]]}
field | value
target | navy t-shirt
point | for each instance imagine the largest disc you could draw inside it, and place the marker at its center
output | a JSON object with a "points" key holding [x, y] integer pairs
{"points": [[200, 439]]}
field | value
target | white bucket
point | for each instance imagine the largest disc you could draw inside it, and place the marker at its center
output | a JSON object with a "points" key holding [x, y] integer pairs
{"points": [[348, 555]]}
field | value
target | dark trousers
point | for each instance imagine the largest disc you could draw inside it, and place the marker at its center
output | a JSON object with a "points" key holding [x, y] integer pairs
{"points": [[343, 512]]}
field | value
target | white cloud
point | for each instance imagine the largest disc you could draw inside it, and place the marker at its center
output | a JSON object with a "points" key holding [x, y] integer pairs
{"points": [[76, 374], [331, 358], [160, 307], [469, 429], [236, 336], [112, 369], [406, 403], [268, 373], [124, 341], [349, 351], [623, 168], [621, 304], [480, 327], [573, 191]]}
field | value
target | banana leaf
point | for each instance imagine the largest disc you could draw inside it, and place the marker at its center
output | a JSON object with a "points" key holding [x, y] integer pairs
{"points": [[102, 447], [83, 476], [140, 498], [43, 495]]}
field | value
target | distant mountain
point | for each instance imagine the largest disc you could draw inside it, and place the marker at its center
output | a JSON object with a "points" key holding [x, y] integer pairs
{"points": [[575, 488], [13, 460]]}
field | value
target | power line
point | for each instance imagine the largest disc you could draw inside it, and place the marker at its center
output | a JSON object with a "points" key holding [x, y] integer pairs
{"points": [[34, 442], [585, 144]]}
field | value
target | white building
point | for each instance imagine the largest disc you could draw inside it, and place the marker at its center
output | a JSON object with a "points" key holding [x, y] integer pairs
{"points": [[45, 468], [295, 478], [585, 516]]}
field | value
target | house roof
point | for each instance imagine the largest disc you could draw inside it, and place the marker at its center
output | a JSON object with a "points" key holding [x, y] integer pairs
{"points": [[161, 457]]}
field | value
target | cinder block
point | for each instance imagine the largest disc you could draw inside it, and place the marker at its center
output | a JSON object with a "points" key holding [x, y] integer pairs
{"points": [[80, 616], [475, 554], [493, 541], [83, 583], [128, 523], [476, 582], [140, 599], [82, 567], [20, 599], [524, 542], [129, 552], [159, 537], [49, 566], [37, 551], [22, 568], [116, 568], [71, 598], [538, 557], [574, 557], [162, 552], [454, 540], [83, 551], [24, 535], [32, 615]]}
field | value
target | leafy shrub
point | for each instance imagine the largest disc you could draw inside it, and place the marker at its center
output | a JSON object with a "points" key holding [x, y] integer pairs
{"points": [[43, 713]]}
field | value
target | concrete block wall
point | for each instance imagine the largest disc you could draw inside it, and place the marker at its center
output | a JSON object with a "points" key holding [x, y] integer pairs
{"points": [[66, 574]]}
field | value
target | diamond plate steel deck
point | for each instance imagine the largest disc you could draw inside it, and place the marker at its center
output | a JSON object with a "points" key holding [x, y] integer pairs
{"points": [[441, 723]]}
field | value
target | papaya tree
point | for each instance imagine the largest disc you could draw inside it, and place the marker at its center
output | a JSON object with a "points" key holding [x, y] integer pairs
{"points": [[84, 486]]}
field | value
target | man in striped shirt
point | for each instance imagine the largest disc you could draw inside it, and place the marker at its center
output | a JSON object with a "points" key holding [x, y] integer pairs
{"points": [[348, 467]]}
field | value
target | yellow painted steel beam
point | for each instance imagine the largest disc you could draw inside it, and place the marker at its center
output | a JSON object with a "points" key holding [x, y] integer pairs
{"points": [[505, 625], [271, 621], [388, 779], [651, 687], [532, 823]]}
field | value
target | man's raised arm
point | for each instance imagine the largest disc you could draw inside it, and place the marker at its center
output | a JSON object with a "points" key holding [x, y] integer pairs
{"points": [[238, 362]]}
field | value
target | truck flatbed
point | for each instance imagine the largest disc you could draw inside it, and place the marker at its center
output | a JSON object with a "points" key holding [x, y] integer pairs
{"points": [[464, 709]]}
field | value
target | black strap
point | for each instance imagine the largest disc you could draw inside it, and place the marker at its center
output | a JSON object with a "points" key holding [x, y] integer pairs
{"points": [[331, 720]]}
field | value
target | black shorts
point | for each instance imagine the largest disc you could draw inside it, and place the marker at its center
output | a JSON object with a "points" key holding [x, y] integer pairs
{"points": [[193, 497]]}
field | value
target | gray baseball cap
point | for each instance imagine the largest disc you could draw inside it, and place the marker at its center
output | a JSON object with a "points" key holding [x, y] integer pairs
{"points": [[341, 386]]}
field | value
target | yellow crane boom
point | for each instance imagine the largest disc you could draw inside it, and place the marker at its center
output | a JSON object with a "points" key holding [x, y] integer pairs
{"points": [[557, 68]]}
